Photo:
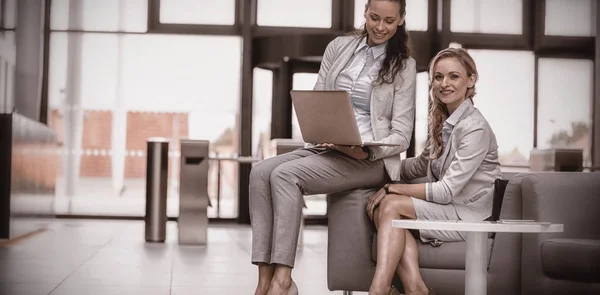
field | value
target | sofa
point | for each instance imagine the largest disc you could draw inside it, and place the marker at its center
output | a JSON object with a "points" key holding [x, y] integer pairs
{"points": [[515, 263], [567, 262]]}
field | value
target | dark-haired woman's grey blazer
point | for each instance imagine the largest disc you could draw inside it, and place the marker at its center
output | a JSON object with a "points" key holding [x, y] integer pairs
{"points": [[392, 110]]}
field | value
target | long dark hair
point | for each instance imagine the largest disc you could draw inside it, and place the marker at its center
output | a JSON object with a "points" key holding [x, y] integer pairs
{"points": [[397, 49]]}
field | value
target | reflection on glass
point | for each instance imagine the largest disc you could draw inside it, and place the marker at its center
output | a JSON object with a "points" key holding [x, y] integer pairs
{"points": [[294, 13], [105, 15], [416, 14], [261, 111], [571, 18], [301, 81], [505, 95], [9, 15], [565, 91], [155, 85], [208, 12], [487, 16]]}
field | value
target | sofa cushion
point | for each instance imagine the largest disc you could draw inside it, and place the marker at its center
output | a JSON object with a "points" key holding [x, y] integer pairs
{"points": [[449, 255], [572, 259]]}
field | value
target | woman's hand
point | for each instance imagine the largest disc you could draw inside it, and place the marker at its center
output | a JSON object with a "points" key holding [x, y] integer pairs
{"points": [[353, 151], [374, 201]]}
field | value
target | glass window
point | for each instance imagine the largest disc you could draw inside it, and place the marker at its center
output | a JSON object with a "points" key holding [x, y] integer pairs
{"points": [[99, 75], [505, 93], [422, 112], [181, 73], [487, 16], [10, 85], [416, 14], [294, 13], [301, 81], [155, 85], [5, 104], [106, 15], [565, 90], [571, 18], [262, 100], [57, 72], [9, 16], [207, 12]]}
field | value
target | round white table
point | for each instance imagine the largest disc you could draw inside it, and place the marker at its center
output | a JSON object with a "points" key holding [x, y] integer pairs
{"points": [[477, 235]]}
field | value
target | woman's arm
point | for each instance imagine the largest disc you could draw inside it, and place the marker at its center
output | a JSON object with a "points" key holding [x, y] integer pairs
{"points": [[416, 190], [328, 59], [416, 167], [403, 113]]}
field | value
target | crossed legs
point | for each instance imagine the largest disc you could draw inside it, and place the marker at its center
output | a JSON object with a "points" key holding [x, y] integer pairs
{"points": [[277, 186], [396, 248]]}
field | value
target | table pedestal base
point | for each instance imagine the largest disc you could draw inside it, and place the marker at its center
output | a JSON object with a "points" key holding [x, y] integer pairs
{"points": [[476, 263]]}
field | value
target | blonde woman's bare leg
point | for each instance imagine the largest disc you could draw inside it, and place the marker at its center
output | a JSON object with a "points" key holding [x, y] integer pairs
{"points": [[391, 242], [408, 269]]}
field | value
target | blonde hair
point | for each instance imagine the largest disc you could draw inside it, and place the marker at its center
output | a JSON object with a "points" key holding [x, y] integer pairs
{"points": [[438, 112]]}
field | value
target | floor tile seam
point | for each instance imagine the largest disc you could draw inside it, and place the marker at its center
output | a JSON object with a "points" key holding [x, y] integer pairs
{"points": [[81, 265], [5, 243], [239, 244]]}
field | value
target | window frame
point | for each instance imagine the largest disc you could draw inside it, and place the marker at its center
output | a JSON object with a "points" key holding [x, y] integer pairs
{"points": [[437, 36]]}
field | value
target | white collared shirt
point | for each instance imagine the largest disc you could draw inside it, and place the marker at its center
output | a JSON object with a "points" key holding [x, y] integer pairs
{"points": [[357, 79]]}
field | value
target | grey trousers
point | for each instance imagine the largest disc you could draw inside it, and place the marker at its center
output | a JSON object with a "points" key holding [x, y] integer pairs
{"points": [[277, 186]]}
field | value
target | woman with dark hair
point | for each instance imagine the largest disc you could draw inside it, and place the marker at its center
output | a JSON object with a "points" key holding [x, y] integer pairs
{"points": [[461, 164], [375, 68]]}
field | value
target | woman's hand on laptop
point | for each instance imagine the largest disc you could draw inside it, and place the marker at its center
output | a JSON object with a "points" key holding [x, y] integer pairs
{"points": [[353, 151]]}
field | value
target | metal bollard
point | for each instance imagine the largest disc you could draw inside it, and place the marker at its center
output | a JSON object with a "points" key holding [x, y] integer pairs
{"points": [[156, 189], [193, 192]]}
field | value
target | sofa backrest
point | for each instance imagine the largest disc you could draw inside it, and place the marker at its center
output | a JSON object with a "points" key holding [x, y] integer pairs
{"points": [[570, 198]]}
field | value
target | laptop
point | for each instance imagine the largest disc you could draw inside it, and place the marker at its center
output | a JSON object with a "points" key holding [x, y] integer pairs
{"points": [[327, 116]]}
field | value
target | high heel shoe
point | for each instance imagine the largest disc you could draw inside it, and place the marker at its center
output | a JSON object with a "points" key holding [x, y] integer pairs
{"points": [[293, 289]]}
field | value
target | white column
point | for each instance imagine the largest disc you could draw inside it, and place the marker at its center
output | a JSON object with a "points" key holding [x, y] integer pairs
{"points": [[119, 116], [73, 110], [476, 264], [175, 140]]}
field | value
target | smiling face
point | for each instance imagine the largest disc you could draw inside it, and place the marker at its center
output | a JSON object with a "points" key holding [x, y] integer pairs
{"points": [[382, 20], [450, 82]]}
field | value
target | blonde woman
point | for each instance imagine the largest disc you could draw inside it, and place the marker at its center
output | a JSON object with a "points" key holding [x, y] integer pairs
{"points": [[461, 164]]}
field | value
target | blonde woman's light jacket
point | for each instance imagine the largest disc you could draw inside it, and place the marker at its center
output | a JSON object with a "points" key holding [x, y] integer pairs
{"points": [[469, 167], [392, 105]]}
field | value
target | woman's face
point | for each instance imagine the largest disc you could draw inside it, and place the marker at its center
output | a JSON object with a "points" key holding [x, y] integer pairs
{"points": [[450, 82], [382, 20]]}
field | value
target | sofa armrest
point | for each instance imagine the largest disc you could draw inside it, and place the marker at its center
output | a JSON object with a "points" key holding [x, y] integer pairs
{"points": [[350, 236], [570, 198], [575, 260]]}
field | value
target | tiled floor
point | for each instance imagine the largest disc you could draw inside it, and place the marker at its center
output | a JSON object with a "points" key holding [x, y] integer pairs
{"points": [[111, 257]]}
